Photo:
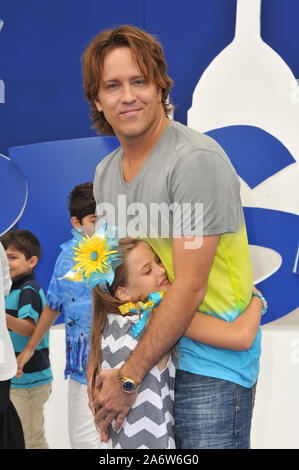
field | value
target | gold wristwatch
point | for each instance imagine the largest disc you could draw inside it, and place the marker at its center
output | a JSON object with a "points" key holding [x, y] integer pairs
{"points": [[127, 385]]}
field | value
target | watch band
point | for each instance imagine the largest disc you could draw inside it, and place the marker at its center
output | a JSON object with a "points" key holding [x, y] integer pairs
{"points": [[127, 385]]}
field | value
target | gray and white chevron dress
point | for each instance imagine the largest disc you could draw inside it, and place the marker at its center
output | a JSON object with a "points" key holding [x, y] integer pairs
{"points": [[150, 423]]}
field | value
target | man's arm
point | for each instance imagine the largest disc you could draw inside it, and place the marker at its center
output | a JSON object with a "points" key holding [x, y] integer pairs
{"points": [[46, 320], [191, 268]]}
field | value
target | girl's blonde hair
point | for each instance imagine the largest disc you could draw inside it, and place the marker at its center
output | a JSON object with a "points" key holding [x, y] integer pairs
{"points": [[103, 304]]}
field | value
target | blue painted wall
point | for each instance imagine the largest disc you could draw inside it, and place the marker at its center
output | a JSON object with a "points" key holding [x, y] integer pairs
{"points": [[43, 108]]}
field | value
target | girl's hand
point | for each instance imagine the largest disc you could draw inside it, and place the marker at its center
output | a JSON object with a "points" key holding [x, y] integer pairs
{"points": [[262, 299]]}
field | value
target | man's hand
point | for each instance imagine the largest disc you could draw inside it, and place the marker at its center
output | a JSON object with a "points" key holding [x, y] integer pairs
{"points": [[112, 402], [22, 359], [103, 435]]}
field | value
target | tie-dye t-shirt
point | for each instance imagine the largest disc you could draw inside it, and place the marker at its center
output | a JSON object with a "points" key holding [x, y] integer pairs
{"points": [[185, 171], [228, 293]]}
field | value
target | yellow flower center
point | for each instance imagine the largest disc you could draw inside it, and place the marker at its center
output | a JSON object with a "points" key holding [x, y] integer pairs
{"points": [[92, 255]]}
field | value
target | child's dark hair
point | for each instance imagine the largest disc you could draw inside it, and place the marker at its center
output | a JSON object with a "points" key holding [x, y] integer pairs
{"points": [[81, 201], [23, 241]]}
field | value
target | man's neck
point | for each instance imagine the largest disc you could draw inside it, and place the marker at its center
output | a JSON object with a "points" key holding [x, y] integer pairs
{"points": [[137, 150]]}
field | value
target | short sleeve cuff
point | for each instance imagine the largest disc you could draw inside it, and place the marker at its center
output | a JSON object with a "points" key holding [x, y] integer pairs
{"points": [[27, 311]]}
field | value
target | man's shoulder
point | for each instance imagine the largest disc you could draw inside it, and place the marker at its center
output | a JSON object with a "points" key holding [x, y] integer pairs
{"points": [[190, 144], [191, 137], [109, 161]]}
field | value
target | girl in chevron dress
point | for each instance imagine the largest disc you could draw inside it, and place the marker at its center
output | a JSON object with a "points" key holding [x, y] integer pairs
{"points": [[121, 312], [150, 423]]}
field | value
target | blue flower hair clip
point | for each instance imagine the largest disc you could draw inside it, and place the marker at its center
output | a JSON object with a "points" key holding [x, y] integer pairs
{"points": [[96, 258]]}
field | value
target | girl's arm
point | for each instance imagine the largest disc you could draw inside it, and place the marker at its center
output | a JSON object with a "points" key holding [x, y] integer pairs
{"points": [[21, 326], [237, 335]]}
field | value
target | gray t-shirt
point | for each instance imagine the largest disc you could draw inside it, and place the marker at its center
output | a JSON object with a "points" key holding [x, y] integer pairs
{"points": [[187, 186], [187, 167]]}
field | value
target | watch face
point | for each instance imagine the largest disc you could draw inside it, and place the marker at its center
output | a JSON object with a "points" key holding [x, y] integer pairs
{"points": [[129, 387]]}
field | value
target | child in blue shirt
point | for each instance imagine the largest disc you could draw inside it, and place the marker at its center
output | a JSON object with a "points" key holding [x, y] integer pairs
{"points": [[24, 305], [74, 300]]}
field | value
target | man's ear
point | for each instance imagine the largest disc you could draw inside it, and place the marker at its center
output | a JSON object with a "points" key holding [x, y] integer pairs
{"points": [[159, 93], [122, 293], [75, 222], [98, 105]]}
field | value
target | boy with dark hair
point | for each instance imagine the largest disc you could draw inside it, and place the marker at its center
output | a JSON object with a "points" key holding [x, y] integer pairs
{"points": [[24, 305], [75, 301], [81, 201]]}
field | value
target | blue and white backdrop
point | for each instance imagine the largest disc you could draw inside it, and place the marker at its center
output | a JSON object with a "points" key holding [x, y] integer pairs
{"points": [[235, 64]]}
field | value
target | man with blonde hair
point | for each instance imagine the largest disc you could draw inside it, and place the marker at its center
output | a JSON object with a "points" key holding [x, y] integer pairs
{"points": [[162, 161]]}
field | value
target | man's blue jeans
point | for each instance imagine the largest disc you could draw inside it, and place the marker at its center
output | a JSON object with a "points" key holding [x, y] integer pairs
{"points": [[212, 413]]}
